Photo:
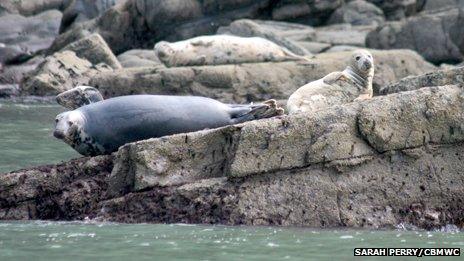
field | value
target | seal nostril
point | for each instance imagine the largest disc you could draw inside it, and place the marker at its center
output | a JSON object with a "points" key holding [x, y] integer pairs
{"points": [[58, 134], [161, 54]]}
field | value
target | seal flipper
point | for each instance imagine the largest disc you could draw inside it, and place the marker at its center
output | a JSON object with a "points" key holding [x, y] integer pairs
{"points": [[263, 110], [78, 97]]}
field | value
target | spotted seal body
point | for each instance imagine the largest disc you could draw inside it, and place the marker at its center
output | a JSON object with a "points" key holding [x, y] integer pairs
{"points": [[104, 126], [221, 49], [354, 83]]}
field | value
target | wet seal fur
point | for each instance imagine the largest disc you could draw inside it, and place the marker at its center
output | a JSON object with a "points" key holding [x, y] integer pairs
{"points": [[102, 127], [78, 97], [222, 49], [352, 84]]}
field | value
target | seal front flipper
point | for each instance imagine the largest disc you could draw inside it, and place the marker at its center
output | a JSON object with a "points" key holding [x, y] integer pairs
{"points": [[251, 112], [78, 97]]}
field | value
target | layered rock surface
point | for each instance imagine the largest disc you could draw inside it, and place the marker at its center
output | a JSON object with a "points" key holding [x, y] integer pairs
{"points": [[435, 35], [392, 159], [254, 81]]}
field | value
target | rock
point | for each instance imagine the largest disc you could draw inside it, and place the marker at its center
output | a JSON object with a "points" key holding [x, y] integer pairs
{"points": [[453, 76], [437, 5], [60, 72], [173, 161], [94, 49], [343, 34], [341, 48], [147, 22], [399, 9], [282, 157], [358, 12], [29, 8], [308, 12], [25, 36], [314, 47], [456, 30], [252, 82], [64, 191], [68, 38], [280, 171], [83, 10], [13, 74], [13, 54], [139, 58], [431, 35], [8, 90], [270, 30], [413, 119]]}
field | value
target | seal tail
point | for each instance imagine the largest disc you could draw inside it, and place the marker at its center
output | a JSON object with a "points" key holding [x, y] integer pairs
{"points": [[263, 110]]}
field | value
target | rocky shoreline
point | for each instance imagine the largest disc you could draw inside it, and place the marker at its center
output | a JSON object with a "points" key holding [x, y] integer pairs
{"points": [[351, 165], [393, 159]]}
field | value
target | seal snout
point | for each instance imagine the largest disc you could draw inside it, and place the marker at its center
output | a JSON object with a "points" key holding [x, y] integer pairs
{"points": [[58, 134], [367, 65]]}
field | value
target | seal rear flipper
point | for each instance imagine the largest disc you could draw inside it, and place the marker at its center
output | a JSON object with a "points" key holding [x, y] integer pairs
{"points": [[78, 97], [263, 110]]}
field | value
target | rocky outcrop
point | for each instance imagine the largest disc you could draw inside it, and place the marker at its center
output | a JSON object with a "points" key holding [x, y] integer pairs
{"points": [[60, 72], [358, 12], [435, 78], [14, 74], [94, 49], [146, 22], [306, 12], [252, 82], [66, 191], [301, 39], [79, 11], [277, 32], [392, 159], [21, 37], [29, 8], [433, 35], [399, 9]]}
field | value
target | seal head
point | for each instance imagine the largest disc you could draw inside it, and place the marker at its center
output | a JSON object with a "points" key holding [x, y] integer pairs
{"points": [[164, 51], [70, 127], [361, 68]]}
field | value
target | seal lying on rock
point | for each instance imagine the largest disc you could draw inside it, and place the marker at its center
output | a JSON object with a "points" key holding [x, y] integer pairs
{"points": [[354, 83], [78, 96], [221, 49], [102, 127]]}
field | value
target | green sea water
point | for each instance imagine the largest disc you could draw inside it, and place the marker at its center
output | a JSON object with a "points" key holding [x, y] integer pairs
{"points": [[107, 241], [26, 140], [26, 136]]}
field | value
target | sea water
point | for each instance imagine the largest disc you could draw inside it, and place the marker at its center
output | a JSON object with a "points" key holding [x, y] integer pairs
{"points": [[41, 240]]}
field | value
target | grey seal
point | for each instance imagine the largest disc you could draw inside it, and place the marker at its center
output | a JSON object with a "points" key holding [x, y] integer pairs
{"points": [[222, 49], [102, 127], [352, 84]]}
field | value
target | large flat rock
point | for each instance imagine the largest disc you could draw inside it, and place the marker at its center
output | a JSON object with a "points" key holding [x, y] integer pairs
{"points": [[435, 78], [381, 162], [253, 81]]}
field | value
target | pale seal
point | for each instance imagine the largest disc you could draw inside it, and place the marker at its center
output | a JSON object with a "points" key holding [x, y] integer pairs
{"points": [[104, 126], [354, 83], [221, 49]]}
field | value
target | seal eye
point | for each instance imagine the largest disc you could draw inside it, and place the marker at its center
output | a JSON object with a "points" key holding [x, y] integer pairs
{"points": [[56, 120], [358, 57]]}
